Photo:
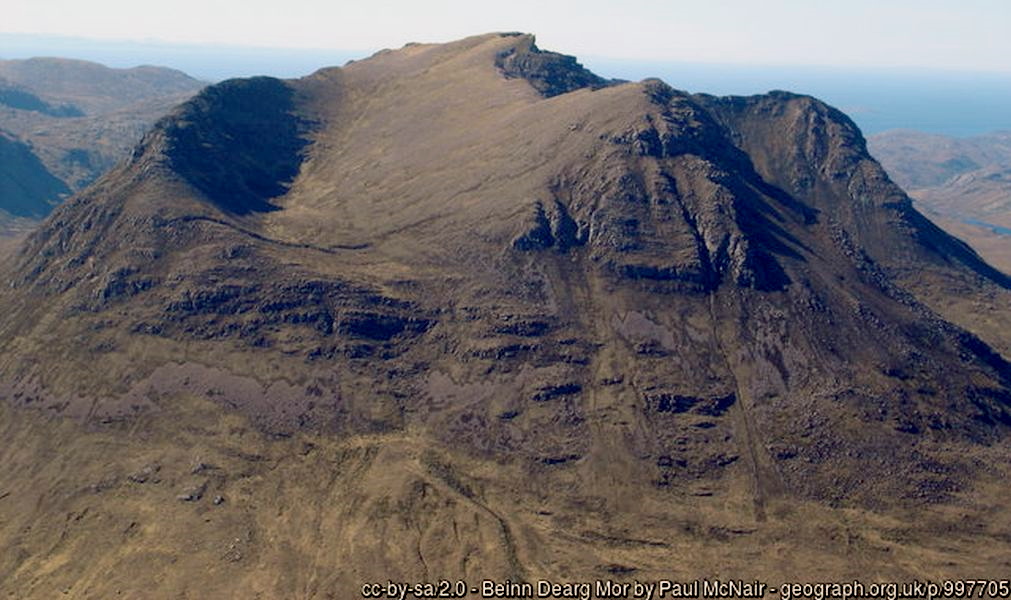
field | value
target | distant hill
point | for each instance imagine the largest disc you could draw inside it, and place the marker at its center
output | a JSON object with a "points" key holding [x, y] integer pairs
{"points": [[963, 182], [95, 88], [14, 96], [69, 121]]}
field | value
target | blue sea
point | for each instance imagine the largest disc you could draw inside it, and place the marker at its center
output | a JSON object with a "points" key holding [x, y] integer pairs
{"points": [[945, 102]]}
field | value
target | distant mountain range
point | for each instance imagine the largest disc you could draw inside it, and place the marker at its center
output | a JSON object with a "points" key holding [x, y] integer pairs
{"points": [[964, 183], [68, 121]]}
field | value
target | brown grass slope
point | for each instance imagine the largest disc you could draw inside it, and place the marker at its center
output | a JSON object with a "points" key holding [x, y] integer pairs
{"points": [[468, 311]]}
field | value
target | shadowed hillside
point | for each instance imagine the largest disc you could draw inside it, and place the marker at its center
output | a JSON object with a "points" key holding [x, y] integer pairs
{"points": [[27, 188]]}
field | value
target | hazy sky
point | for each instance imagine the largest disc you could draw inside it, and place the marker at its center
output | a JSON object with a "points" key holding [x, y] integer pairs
{"points": [[957, 34]]}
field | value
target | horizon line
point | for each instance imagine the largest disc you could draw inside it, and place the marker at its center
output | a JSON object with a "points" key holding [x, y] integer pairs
{"points": [[362, 53]]}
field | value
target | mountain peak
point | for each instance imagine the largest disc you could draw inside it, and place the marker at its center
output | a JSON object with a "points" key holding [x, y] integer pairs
{"points": [[549, 73], [239, 143]]}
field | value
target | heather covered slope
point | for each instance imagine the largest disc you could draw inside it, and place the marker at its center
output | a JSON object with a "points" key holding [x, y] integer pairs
{"points": [[476, 312]]}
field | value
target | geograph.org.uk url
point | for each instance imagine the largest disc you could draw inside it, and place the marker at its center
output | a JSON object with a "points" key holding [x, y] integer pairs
{"points": [[927, 590]]}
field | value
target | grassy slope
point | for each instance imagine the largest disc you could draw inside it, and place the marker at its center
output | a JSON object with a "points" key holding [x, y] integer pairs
{"points": [[98, 514]]}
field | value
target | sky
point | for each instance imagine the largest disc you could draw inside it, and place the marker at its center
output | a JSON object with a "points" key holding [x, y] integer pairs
{"points": [[949, 34]]}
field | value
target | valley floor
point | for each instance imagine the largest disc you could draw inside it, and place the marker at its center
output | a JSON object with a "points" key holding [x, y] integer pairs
{"points": [[994, 247]]}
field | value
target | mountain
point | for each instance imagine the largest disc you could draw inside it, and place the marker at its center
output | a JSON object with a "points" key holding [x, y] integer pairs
{"points": [[26, 187], [77, 119], [964, 183], [468, 311], [16, 97], [91, 88]]}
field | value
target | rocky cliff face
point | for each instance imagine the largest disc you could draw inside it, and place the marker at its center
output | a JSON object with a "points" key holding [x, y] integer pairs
{"points": [[513, 297]]}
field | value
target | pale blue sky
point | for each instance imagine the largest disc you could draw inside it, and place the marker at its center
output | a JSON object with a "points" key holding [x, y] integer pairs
{"points": [[945, 34]]}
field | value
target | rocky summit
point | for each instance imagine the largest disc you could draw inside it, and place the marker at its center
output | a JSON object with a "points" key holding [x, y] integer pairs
{"points": [[472, 312]]}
